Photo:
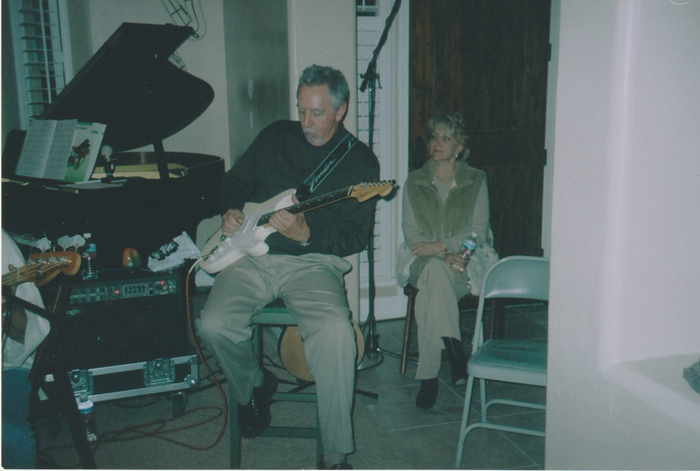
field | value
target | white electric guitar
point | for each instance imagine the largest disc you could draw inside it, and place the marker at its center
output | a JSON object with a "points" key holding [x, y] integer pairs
{"points": [[220, 251]]}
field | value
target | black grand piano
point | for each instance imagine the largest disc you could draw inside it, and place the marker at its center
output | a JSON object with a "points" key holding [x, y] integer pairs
{"points": [[131, 86]]}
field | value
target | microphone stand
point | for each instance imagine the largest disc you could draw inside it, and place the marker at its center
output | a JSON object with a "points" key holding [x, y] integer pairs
{"points": [[373, 353]]}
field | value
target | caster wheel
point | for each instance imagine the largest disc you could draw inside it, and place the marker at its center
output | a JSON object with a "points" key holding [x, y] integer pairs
{"points": [[179, 403], [53, 425]]}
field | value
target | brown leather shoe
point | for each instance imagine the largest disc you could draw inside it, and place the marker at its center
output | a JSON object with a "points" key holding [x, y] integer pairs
{"points": [[254, 417]]}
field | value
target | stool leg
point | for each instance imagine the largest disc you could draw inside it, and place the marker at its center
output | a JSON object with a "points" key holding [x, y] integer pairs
{"points": [[234, 433], [274, 317], [407, 332], [319, 443], [234, 430]]}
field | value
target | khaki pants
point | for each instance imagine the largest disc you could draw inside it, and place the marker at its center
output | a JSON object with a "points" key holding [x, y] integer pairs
{"points": [[313, 290], [437, 313]]}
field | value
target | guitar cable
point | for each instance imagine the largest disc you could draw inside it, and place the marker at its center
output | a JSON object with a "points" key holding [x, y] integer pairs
{"points": [[200, 355]]}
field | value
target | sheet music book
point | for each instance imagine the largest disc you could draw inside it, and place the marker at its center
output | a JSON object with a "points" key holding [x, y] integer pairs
{"points": [[63, 149]]}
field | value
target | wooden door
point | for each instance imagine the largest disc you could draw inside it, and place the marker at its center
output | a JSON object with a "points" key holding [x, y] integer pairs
{"points": [[488, 59]]}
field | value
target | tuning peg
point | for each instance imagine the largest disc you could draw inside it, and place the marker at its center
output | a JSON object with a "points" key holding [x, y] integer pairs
{"points": [[43, 244], [64, 242], [76, 242]]}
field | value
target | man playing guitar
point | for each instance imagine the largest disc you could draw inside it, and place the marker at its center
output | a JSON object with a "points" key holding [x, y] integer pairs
{"points": [[304, 264]]}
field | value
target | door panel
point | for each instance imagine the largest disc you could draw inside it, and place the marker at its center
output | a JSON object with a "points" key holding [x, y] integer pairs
{"points": [[488, 59]]}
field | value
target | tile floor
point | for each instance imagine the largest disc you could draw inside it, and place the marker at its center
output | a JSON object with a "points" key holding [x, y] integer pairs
{"points": [[390, 432]]}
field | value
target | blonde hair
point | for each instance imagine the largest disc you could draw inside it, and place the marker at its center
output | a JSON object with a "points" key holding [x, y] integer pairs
{"points": [[454, 123]]}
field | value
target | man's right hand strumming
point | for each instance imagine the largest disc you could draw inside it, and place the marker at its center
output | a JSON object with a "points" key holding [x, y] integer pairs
{"points": [[231, 221]]}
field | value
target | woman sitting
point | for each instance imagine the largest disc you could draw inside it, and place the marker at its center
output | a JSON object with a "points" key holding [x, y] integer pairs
{"points": [[444, 202]]}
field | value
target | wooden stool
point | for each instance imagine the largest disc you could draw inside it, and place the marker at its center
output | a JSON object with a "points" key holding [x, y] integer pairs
{"points": [[274, 314]]}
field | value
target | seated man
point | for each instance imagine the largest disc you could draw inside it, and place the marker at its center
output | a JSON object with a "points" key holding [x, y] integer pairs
{"points": [[21, 336], [304, 265]]}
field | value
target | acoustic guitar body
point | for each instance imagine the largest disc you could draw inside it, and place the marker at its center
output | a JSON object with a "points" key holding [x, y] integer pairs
{"points": [[291, 350]]}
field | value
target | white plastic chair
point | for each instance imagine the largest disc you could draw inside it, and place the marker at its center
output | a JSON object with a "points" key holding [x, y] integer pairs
{"points": [[512, 361]]}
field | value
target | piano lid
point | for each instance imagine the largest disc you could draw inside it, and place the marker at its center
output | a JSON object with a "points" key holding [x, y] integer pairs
{"points": [[131, 86]]}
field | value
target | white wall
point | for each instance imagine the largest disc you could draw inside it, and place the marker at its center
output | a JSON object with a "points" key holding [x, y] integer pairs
{"points": [[323, 33], [625, 259], [204, 59], [257, 70]]}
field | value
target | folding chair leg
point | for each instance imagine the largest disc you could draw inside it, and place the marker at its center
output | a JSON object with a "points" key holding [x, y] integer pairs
{"points": [[465, 419]]}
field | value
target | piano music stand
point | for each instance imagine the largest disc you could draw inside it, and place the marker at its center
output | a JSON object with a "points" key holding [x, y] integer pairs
{"points": [[49, 361]]}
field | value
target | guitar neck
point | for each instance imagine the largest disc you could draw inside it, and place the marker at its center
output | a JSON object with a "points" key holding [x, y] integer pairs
{"points": [[310, 204], [11, 279], [42, 268], [20, 275]]}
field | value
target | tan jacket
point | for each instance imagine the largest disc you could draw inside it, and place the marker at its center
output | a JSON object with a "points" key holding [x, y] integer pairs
{"points": [[466, 210]]}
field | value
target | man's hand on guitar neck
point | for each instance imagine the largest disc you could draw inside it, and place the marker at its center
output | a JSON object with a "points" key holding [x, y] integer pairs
{"points": [[292, 226]]}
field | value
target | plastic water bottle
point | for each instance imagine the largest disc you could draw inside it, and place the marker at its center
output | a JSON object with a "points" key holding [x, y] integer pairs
{"points": [[87, 413], [89, 255], [469, 245]]}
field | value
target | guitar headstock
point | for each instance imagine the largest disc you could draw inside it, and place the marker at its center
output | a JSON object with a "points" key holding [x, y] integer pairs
{"points": [[46, 266], [365, 191]]}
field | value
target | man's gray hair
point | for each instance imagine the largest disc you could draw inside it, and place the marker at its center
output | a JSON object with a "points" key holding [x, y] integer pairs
{"points": [[335, 80]]}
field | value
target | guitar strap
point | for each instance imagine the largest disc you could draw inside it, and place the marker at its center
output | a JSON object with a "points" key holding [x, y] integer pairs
{"points": [[326, 167]]}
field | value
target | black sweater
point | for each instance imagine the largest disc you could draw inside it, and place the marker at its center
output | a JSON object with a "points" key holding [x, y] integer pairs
{"points": [[280, 159]]}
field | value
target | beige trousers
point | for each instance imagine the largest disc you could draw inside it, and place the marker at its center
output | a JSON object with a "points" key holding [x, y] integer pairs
{"points": [[437, 313], [312, 288]]}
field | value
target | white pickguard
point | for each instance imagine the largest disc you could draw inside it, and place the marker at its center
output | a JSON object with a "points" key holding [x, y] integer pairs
{"points": [[249, 239]]}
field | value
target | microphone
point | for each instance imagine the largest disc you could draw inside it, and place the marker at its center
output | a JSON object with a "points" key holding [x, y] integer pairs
{"points": [[110, 165], [106, 152]]}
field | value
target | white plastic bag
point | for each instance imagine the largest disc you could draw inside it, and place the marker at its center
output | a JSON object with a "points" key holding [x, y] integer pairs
{"points": [[173, 254]]}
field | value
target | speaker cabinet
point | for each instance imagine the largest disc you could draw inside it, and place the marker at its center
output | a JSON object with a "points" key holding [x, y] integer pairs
{"points": [[125, 317]]}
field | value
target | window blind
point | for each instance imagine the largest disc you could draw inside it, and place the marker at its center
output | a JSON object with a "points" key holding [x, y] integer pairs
{"points": [[41, 55]]}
